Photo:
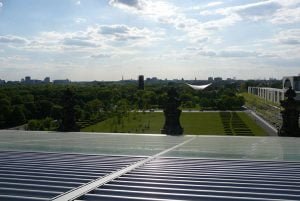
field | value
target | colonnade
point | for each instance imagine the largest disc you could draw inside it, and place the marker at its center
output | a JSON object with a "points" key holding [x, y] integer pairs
{"points": [[270, 94]]}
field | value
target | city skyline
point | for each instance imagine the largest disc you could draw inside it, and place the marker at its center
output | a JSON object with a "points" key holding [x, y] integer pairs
{"points": [[105, 40]]}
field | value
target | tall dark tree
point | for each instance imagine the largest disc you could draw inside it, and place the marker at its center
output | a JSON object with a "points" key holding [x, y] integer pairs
{"points": [[68, 120]]}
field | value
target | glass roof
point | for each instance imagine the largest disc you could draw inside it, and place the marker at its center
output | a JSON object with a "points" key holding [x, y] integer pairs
{"points": [[258, 148], [225, 147]]}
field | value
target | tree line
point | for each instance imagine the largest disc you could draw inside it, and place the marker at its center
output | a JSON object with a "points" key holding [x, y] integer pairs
{"points": [[42, 106]]}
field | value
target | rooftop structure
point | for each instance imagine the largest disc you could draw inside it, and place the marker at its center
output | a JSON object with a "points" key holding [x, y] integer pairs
{"points": [[83, 166], [199, 87]]}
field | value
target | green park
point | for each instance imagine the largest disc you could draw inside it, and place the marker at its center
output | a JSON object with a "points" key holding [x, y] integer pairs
{"points": [[196, 123], [118, 108]]}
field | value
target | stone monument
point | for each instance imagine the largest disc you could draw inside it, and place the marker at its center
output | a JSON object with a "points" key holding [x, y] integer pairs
{"points": [[290, 115], [68, 121], [172, 114]]}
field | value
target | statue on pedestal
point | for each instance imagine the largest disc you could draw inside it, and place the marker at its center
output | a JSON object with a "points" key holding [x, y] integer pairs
{"points": [[172, 114], [290, 115], [68, 121]]}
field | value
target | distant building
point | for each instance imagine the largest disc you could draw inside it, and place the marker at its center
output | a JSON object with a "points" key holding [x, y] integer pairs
{"points": [[47, 80], [27, 79], [218, 79], [141, 82], [12, 82], [291, 81], [66, 81], [210, 79], [276, 95], [153, 79], [36, 81]]}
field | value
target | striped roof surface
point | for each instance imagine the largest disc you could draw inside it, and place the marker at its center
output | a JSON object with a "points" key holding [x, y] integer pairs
{"points": [[91, 167]]}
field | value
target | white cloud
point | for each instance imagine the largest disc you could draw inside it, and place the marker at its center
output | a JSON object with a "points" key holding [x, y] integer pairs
{"points": [[288, 37], [1, 4], [286, 16], [53, 36], [78, 3], [237, 53], [97, 37], [78, 42], [80, 20], [100, 56], [213, 4], [231, 52], [14, 59], [124, 33], [253, 11], [288, 2], [261, 10], [137, 4], [11, 39], [165, 13], [207, 53], [228, 53], [207, 6], [222, 23], [274, 11]]}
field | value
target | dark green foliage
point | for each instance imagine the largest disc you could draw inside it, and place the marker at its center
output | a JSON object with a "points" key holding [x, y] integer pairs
{"points": [[57, 112], [47, 124], [44, 108], [17, 116], [94, 102]]}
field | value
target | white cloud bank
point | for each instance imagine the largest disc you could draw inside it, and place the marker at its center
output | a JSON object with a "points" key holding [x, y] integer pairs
{"points": [[113, 39], [273, 11]]}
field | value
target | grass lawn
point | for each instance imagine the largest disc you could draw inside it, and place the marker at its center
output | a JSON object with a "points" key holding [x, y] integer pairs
{"points": [[198, 123], [268, 110], [202, 123], [254, 127]]}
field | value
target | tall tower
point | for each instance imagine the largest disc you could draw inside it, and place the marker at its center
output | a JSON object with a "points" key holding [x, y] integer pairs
{"points": [[141, 82]]}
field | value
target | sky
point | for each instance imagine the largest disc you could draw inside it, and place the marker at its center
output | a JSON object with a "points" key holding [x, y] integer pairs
{"points": [[85, 40]]}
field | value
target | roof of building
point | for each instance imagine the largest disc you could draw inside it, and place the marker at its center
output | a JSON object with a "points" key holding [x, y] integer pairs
{"points": [[199, 87], [87, 166]]}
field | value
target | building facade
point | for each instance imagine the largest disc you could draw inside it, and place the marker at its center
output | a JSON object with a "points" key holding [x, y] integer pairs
{"points": [[275, 95]]}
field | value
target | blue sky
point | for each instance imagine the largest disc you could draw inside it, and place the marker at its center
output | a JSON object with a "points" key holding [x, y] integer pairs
{"points": [[108, 39]]}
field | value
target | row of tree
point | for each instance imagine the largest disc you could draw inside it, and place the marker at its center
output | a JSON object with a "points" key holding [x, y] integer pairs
{"points": [[38, 105]]}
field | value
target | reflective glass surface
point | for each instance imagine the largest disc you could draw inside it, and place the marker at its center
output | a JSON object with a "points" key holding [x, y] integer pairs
{"points": [[224, 147], [118, 144]]}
